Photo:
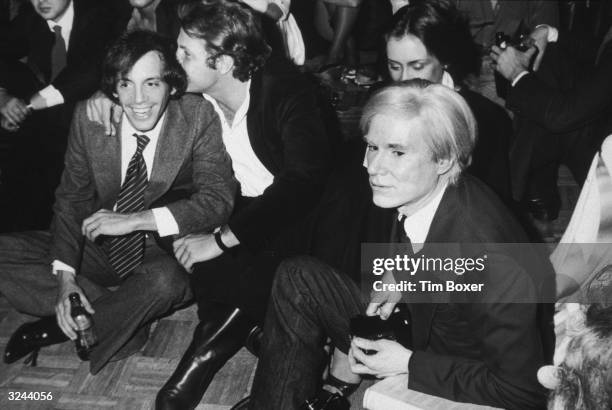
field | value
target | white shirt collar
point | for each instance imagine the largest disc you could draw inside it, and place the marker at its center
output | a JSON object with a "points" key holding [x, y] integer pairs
{"points": [[65, 22], [417, 225], [240, 113]]}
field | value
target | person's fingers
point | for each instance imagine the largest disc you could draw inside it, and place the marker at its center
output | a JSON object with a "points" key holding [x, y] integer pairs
{"points": [[385, 310], [19, 111], [495, 52], [538, 61], [108, 126], [11, 115], [372, 309], [89, 110], [359, 368], [365, 344], [178, 243], [86, 304], [115, 117], [61, 323], [531, 51], [179, 252], [360, 357], [62, 313], [69, 320]]}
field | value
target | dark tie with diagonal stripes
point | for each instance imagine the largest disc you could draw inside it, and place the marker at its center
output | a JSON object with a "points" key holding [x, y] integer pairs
{"points": [[126, 252]]}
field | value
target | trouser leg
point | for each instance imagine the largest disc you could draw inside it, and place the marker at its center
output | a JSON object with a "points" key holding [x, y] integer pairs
{"points": [[155, 288], [25, 273], [310, 302]]}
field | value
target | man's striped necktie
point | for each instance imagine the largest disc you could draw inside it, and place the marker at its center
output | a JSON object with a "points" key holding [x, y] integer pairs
{"points": [[126, 252]]}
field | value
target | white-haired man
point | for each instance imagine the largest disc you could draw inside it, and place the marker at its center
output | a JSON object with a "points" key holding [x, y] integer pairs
{"points": [[479, 348]]}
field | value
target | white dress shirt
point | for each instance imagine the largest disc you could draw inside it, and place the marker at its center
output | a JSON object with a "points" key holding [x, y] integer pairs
{"points": [[50, 94], [253, 176], [417, 225], [166, 224]]}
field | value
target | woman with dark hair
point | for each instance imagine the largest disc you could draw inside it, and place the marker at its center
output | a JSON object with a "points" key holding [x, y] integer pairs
{"points": [[432, 40]]}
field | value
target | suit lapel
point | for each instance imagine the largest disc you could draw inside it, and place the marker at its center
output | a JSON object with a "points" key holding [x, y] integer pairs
{"points": [[77, 27], [423, 313], [170, 153], [107, 165], [258, 129]]}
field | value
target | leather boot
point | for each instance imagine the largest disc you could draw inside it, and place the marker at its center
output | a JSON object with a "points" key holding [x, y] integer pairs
{"points": [[30, 337], [215, 341]]}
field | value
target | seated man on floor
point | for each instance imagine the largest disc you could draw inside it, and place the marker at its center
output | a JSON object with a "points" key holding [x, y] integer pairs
{"points": [[165, 173], [482, 347]]}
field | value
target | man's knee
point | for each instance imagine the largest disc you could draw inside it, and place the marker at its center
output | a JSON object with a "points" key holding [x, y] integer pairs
{"points": [[298, 274], [170, 285]]}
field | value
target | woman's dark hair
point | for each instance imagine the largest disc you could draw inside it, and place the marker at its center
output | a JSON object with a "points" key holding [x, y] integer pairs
{"points": [[229, 28], [444, 31], [129, 48]]}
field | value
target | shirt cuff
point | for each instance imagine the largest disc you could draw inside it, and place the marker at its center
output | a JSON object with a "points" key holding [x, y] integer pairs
{"points": [[553, 33], [51, 96], [518, 77], [57, 265], [166, 224]]}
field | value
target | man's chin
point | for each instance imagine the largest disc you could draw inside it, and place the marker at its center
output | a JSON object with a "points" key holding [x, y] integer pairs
{"points": [[383, 202]]}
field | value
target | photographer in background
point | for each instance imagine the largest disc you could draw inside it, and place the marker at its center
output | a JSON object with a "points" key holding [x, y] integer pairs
{"points": [[565, 112]]}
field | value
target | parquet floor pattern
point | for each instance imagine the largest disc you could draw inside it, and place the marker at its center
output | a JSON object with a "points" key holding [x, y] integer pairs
{"points": [[131, 384], [128, 384]]}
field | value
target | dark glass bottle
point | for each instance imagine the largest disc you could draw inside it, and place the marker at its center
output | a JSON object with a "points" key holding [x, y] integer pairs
{"points": [[86, 337]]}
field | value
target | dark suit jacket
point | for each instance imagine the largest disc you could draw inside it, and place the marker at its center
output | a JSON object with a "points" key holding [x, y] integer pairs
{"points": [[29, 36], [491, 156], [471, 350], [286, 131], [562, 110], [190, 157]]}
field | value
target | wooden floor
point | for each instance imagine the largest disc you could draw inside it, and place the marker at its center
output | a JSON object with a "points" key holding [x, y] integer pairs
{"points": [[133, 383]]}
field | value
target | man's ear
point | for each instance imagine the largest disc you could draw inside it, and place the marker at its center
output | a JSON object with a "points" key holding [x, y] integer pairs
{"points": [[224, 64], [444, 165]]}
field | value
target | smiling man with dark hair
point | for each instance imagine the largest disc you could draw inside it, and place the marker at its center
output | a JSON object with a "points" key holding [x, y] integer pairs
{"points": [[164, 174]]}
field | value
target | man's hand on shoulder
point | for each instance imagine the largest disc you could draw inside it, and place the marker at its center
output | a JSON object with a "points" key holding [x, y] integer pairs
{"points": [[68, 285], [102, 110], [105, 222], [389, 358]]}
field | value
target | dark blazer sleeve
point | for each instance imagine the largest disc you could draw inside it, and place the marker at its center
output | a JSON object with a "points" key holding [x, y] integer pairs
{"points": [[305, 155], [213, 184], [511, 348], [75, 197], [565, 110]]}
